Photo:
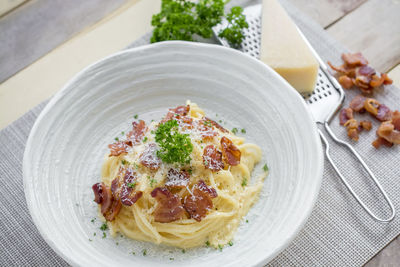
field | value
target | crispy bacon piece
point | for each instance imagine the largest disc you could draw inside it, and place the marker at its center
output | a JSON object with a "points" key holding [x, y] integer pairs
{"points": [[372, 105], [342, 69], [177, 179], [346, 82], [380, 141], [110, 206], [180, 110], [216, 125], [169, 206], [365, 71], [135, 136], [185, 122], [357, 103], [354, 60], [345, 115], [230, 152], [384, 113], [200, 200], [212, 158], [355, 71], [118, 148], [387, 80], [126, 190], [98, 192], [396, 120], [352, 129], [366, 125], [390, 130], [149, 157], [206, 129]]}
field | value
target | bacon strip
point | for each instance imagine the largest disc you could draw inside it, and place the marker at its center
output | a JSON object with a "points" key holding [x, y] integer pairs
{"points": [[127, 193], [212, 158], [230, 152], [357, 103], [172, 112], [169, 206], [200, 201], [355, 71], [135, 136], [345, 115], [205, 128], [149, 157], [118, 148], [354, 60], [352, 129], [384, 113], [216, 125], [390, 130], [110, 206], [177, 179]]}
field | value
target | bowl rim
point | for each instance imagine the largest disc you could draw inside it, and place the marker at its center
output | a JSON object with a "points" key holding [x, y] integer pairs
{"points": [[64, 90]]}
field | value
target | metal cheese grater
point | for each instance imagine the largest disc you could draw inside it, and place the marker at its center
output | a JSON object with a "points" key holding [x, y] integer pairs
{"points": [[324, 102]]}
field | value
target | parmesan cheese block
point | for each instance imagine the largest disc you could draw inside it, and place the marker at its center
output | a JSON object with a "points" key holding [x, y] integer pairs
{"points": [[284, 50]]}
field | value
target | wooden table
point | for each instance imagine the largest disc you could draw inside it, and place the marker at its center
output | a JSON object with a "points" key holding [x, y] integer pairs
{"points": [[48, 52]]}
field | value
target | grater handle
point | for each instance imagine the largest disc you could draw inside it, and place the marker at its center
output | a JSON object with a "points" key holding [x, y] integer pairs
{"points": [[393, 213]]}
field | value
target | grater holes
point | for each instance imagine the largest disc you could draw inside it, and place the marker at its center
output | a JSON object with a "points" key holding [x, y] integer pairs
{"points": [[325, 95], [329, 92], [318, 90]]}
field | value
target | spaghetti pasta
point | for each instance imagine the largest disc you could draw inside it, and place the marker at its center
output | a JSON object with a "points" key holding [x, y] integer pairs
{"points": [[224, 192]]}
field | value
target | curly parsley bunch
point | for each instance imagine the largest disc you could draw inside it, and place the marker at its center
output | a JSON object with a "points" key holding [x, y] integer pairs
{"points": [[182, 19]]}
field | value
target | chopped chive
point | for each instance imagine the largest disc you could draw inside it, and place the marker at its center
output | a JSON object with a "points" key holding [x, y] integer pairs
{"points": [[116, 139], [94, 234], [207, 243], [92, 220], [104, 235], [144, 252], [230, 243], [234, 130], [116, 243], [103, 227], [183, 251], [243, 130], [123, 133], [144, 139], [220, 247], [171, 259], [131, 185], [265, 168], [133, 253], [220, 121], [136, 116], [247, 221], [90, 240], [124, 162], [244, 182]]}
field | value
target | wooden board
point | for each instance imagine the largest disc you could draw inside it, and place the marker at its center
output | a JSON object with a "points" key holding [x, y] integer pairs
{"points": [[373, 29], [326, 12], [47, 75], [8, 5], [39, 26]]}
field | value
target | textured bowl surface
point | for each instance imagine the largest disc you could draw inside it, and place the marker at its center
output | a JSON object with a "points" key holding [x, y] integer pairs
{"points": [[67, 144]]}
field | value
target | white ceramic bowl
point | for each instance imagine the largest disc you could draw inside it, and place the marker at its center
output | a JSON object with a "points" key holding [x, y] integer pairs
{"points": [[66, 146]]}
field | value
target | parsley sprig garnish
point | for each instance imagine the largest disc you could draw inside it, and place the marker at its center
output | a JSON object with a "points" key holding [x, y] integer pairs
{"points": [[183, 19], [236, 23], [174, 146]]}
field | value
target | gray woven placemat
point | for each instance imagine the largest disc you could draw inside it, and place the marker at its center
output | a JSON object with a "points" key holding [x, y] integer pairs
{"points": [[338, 233]]}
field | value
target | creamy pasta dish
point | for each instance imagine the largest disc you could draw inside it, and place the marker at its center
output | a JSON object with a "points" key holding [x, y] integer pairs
{"points": [[183, 181]]}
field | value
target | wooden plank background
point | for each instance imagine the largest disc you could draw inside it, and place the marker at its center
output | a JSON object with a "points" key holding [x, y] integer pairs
{"points": [[38, 26]]}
